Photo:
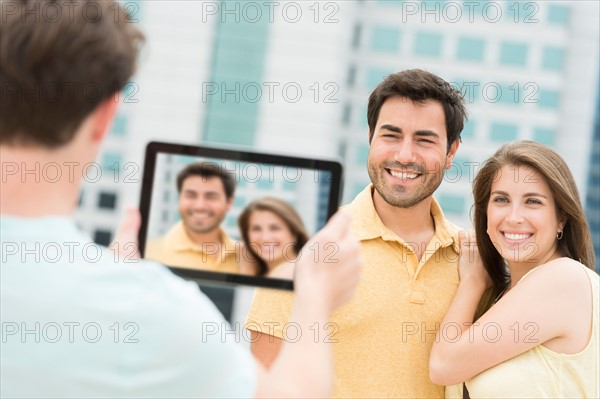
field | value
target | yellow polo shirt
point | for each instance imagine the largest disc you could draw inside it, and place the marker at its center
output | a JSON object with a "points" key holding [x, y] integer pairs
{"points": [[176, 249], [382, 338]]}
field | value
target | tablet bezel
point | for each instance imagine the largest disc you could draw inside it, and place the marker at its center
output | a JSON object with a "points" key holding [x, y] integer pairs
{"points": [[154, 148]]}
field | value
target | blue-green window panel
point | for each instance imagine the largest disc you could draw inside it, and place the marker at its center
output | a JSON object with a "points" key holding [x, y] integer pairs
{"points": [[470, 49], [514, 54], [558, 14], [119, 126], [503, 132], [463, 163], [264, 183], [175, 216], [231, 222], [385, 39], [243, 101], [376, 76], [110, 161], [225, 128], [394, 3], [468, 130], [428, 44], [549, 99], [231, 65], [553, 58], [455, 204], [470, 88], [289, 185], [362, 154], [358, 187], [544, 136], [364, 122], [185, 159], [239, 201], [461, 170], [510, 94], [240, 182], [239, 56]]}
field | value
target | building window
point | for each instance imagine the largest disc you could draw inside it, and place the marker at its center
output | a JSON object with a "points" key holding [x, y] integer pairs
{"points": [[119, 126], [553, 58], [510, 94], [346, 114], [514, 54], [549, 99], [396, 3], [289, 185], [107, 200], [452, 203], [266, 184], [358, 188], [385, 39], [111, 161], [558, 14], [470, 49], [362, 154], [356, 36], [461, 170], [470, 88], [544, 136], [468, 130], [376, 76], [503, 132], [351, 75], [428, 44], [102, 237]]}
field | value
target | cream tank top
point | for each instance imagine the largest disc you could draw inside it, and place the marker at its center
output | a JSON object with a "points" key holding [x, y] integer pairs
{"points": [[542, 373]]}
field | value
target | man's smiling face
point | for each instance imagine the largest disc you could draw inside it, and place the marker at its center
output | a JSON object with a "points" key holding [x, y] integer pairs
{"points": [[203, 203], [408, 153]]}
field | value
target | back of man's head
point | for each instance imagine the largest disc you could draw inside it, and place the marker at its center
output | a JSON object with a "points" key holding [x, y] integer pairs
{"points": [[58, 62]]}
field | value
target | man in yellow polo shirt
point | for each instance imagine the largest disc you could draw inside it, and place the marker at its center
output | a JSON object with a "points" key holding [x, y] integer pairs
{"points": [[382, 339], [197, 240]]}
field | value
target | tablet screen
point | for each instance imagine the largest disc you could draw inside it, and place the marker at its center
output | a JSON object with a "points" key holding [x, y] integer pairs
{"points": [[233, 216]]}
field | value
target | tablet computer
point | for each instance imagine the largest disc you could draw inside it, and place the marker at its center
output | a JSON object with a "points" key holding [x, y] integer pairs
{"points": [[233, 216]]}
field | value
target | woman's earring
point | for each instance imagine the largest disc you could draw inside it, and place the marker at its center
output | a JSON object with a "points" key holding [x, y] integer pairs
{"points": [[559, 235]]}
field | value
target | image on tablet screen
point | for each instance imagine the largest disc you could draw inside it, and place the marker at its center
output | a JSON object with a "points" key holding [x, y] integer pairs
{"points": [[231, 216]]}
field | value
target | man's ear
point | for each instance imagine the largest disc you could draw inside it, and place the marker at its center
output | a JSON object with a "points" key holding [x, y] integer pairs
{"points": [[103, 117], [452, 153]]}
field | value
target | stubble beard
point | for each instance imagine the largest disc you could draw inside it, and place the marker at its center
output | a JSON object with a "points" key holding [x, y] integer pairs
{"points": [[398, 196], [204, 228]]}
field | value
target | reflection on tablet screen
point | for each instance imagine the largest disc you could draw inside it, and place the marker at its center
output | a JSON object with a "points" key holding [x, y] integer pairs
{"points": [[233, 216]]}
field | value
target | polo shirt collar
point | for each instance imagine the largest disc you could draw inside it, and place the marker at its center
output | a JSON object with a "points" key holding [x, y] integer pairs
{"points": [[178, 239], [367, 225]]}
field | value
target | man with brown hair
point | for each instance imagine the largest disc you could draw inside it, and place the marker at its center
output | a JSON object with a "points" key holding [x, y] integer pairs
{"points": [[76, 322], [384, 335], [197, 241]]}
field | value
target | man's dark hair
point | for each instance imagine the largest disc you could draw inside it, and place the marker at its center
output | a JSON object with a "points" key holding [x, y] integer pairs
{"points": [[418, 85], [58, 61], [207, 170]]}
